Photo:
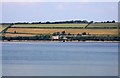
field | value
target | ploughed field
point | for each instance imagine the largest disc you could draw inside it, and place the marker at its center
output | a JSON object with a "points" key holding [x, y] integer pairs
{"points": [[37, 29], [51, 31]]}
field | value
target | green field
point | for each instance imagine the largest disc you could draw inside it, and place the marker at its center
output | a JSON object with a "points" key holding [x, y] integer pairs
{"points": [[103, 25], [49, 25], [72, 26], [2, 27]]}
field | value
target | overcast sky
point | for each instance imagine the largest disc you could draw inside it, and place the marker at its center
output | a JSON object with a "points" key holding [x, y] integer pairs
{"points": [[58, 11]]}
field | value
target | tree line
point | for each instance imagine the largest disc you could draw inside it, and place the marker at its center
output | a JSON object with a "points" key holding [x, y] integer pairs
{"points": [[72, 38], [62, 22]]}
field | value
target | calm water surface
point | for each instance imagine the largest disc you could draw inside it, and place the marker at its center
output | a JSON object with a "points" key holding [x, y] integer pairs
{"points": [[60, 59]]}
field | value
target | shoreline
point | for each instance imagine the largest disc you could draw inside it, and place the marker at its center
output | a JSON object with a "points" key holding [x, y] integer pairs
{"points": [[59, 41]]}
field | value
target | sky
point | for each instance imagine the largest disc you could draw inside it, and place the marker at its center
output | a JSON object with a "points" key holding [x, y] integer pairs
{"points": [[59, 11], [60, 0]]}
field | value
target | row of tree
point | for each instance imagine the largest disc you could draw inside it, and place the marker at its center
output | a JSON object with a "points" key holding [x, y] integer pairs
{"points": [[61, 22], [69, 38], [107, 21]]}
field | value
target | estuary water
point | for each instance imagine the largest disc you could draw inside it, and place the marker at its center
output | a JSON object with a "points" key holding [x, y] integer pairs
{"points": [[59, 59]]}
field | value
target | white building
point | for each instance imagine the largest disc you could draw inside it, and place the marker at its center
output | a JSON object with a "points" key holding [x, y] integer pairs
{"points": [[55, 37]]}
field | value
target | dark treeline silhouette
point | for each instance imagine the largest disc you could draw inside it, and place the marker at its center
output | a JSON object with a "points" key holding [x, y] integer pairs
{"points": [[69, 38], [62, 22], [59, 22], [6, 23], [66, 22], [106, 22]]}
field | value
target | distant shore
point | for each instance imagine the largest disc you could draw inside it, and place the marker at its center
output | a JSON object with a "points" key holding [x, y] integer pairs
{"points": [[54, 41]]}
